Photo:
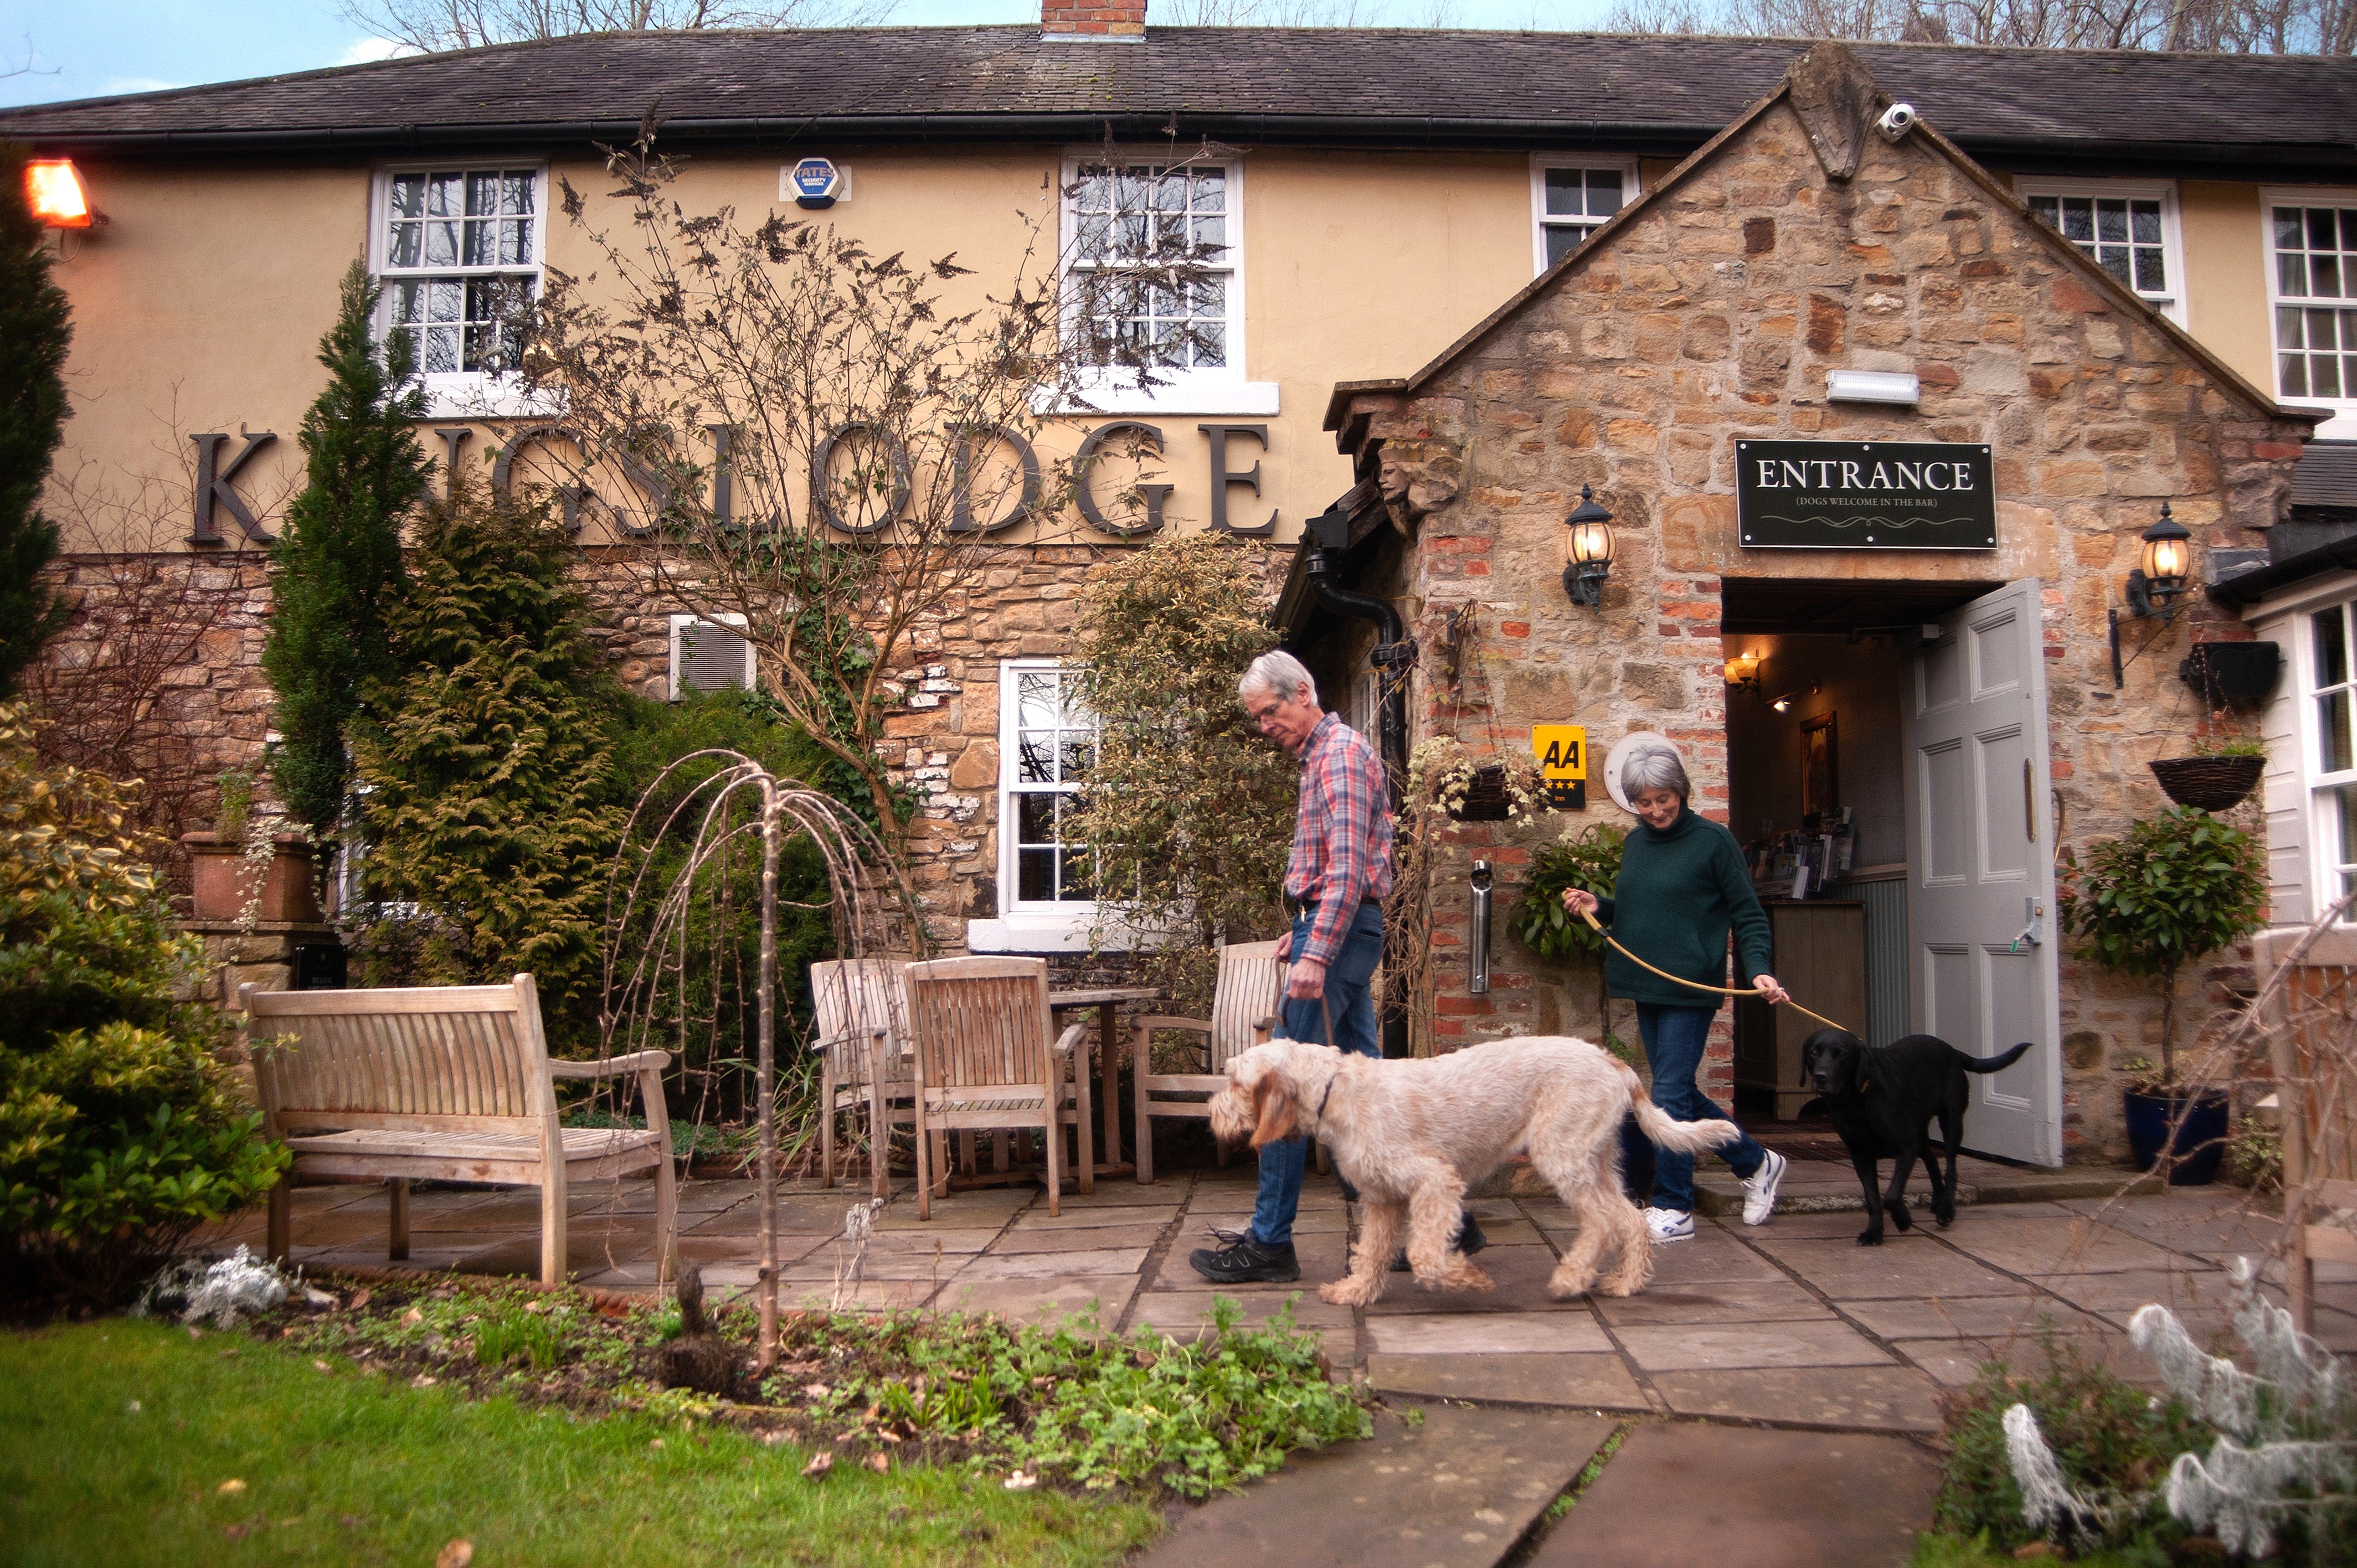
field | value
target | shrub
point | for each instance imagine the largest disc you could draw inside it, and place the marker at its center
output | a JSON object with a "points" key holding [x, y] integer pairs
{"points": [[35, 329], [2175, 888], [338, 565], [120, 1131], [486, 763], [1587, 858]]}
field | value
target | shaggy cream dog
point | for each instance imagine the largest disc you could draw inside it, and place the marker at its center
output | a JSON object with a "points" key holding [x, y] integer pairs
{"points": [[1413, 1137]]}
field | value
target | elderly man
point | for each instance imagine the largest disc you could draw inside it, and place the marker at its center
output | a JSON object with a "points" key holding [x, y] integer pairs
{"points": [[1339, 873]]}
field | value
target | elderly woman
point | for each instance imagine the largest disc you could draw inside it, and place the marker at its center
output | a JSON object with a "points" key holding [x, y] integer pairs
{"points": [[1683, 885]]}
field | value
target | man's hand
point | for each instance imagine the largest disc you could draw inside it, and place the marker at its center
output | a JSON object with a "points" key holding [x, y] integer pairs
{"points": [[1305, 980]]}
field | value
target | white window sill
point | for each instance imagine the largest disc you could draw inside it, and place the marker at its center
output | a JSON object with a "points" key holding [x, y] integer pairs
{"points": [[477, 396], [1043, 931], [1173, 398]]}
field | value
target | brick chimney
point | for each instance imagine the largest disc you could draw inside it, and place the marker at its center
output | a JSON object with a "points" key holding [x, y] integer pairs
{"points": [[1087, 20]]}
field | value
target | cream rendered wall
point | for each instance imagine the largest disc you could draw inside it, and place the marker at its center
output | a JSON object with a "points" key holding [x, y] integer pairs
{"points": [[2225, 276], [201, 305]]}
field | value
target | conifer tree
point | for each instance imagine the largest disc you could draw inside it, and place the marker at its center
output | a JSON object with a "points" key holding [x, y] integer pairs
{"points": [[35, 328], [487, 760], [339, 568]]}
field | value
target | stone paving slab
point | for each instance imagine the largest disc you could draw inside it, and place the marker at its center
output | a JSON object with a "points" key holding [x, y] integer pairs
{"points": [[1906, 1265], [1491, 1334], [1713, 1301], [1571, 1382], [1972, 1318], [1040, 1239], [1701, 1348], [1456, 1491], [1689, 1494], [1041, 1266], [1518, 1278], [1049, 1299], [1884, 1398]]}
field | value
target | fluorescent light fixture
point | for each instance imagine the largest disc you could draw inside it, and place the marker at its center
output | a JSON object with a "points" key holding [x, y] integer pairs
{"points": [[1873, 386]]}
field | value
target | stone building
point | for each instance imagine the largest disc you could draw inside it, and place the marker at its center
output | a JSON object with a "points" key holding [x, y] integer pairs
{"points": [[1969, 687]]}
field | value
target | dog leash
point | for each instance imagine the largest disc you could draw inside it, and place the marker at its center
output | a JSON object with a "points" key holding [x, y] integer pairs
{"points": [[1590, 915]]}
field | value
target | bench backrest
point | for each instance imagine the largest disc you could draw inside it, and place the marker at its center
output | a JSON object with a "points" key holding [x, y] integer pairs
{"points": [[981, 1022], [1250, 989], [443, 1058], [855, 996]]}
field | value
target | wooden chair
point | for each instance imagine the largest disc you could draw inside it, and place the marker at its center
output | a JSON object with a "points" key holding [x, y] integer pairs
{"points": [[2312, 1037], [986, 1059], [445, 1083], [868, 1056], [1250, 989]]}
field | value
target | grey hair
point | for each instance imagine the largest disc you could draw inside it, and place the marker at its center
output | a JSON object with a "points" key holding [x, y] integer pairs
{"points": [[1279, 674], [1655, 768]]}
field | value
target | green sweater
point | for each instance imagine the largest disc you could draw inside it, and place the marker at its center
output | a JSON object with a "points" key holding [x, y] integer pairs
{"points": [[1684, 887]]}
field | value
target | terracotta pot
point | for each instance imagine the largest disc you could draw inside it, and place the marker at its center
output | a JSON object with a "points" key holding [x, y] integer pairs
{"points": [[2209, 783], [290, 894]]}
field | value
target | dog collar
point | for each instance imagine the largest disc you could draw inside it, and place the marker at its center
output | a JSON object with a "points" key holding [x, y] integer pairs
{"points": [[1321, 1112]]}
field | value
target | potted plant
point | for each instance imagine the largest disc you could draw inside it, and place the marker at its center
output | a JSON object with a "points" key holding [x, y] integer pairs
{"points": [[1588, 858], [1471, 791], [246, 869], [2172, 891]]}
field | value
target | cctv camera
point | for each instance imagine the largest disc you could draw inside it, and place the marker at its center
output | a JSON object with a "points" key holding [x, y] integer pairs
{"points": [[1896, 122]]}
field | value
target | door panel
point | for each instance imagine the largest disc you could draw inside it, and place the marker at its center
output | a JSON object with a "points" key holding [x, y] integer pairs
{"points": [[1982, 863]]}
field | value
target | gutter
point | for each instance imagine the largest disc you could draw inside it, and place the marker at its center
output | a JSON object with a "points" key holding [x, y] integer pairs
{"points": [[2251, 588]]}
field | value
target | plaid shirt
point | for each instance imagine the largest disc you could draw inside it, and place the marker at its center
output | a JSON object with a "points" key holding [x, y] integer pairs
{"points": [[1341, 833]]}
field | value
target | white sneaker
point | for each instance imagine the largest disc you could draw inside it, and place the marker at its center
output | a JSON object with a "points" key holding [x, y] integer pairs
{"points": [[1669, 1225], [1760, 1188]]}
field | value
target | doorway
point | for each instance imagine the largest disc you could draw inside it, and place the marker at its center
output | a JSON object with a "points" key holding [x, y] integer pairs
{"points": [[1843, 779]]}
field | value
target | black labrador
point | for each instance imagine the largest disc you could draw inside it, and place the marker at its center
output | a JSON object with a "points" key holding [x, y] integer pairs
{"points": [[1882, 1102]]}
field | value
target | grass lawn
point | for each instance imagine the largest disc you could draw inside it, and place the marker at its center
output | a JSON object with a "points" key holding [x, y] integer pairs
{"points": [[121, 1434]]}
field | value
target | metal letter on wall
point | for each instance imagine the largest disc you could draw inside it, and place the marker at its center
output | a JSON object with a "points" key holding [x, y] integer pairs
{"points": [[962, 478], [1865, 495], [1083, 487], [454, 442], [503, 466], [215, 487], [821, 489], [1221, 478]]}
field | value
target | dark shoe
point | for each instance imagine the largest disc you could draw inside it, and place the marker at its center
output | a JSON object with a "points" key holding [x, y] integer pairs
{"points": [[1469, 1241], [1246, 1262]]}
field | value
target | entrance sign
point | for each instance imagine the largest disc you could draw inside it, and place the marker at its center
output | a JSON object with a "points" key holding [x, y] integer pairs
{"points": [[1983, 957], [1865, 495], [1562, 753]]}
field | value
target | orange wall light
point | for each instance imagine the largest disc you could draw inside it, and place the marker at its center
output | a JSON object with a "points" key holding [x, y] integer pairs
{"points": [[53, 189]]}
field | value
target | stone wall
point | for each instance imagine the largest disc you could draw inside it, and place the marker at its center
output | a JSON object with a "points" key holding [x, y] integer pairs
{"points": [[1711, 313]]}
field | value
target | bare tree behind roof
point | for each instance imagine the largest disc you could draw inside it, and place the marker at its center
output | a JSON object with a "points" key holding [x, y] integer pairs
{"points": [[437, 25], [2219, 27]]}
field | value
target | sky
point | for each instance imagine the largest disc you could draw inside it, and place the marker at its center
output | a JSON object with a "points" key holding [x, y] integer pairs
{"points": [[88, 49]]}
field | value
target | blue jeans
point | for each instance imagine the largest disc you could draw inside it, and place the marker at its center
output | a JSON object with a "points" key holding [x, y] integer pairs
{"points": [[1352, 1007], [1673, 1038]]}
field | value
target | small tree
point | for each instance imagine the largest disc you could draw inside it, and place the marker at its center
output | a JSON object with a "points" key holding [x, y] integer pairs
{"points": [[1187, 812], [339, 562], [35, 331], [2177, 888], [486, 758]]}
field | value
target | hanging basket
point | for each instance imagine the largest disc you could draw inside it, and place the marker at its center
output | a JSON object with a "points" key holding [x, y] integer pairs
{"points": [[1486, 799], [2233, 674], [2209, 783]]}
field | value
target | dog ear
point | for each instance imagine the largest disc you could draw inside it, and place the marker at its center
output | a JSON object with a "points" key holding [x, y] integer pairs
{"points": [[1808, 1060], [1273, 1110]]}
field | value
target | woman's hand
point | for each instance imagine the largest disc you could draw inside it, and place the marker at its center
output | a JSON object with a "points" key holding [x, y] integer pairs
{"points": [[1579, 900], [1770, 990]]}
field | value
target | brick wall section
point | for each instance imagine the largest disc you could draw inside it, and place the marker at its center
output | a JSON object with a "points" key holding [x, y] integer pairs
{"points": [[1714, 315]]}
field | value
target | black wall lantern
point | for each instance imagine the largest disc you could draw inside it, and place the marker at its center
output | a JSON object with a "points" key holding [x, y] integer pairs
{"points": [[1586, 551], [2162, 569]]}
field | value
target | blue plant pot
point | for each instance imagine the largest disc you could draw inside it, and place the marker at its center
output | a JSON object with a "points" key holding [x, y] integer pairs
{"points": [[2201, 1140]]}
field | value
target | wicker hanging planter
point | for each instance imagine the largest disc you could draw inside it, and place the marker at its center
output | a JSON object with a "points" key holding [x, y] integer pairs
{"points": [[2209, 783], [1486, 799]]}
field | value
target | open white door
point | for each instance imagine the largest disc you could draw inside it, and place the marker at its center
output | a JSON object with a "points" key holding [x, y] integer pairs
{"points": [[1980, 887]]}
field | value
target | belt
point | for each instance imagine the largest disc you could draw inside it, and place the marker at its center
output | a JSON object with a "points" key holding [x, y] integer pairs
{"points": [[1303, 906]]}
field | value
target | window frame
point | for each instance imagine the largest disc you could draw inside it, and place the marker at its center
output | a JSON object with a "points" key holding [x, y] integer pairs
{"points": [[1540, 164], [2317, 783], [725, 620], [2172, 227], [1227, 389], [458, 394], [1065, 926], [2343, 425]]}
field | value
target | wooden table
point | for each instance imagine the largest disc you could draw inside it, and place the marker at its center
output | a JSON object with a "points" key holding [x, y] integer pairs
{"points": [[1107, 1001]]}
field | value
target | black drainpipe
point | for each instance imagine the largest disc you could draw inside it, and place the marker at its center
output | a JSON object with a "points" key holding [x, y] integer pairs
{"points": [[1395, 655]]}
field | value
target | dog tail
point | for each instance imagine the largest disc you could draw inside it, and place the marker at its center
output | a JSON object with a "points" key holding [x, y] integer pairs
{"points": [[1678, 1137], [1997, 1063]]}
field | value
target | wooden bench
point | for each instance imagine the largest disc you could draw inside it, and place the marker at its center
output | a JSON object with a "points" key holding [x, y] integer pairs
{"points": [[444, 1083]]}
